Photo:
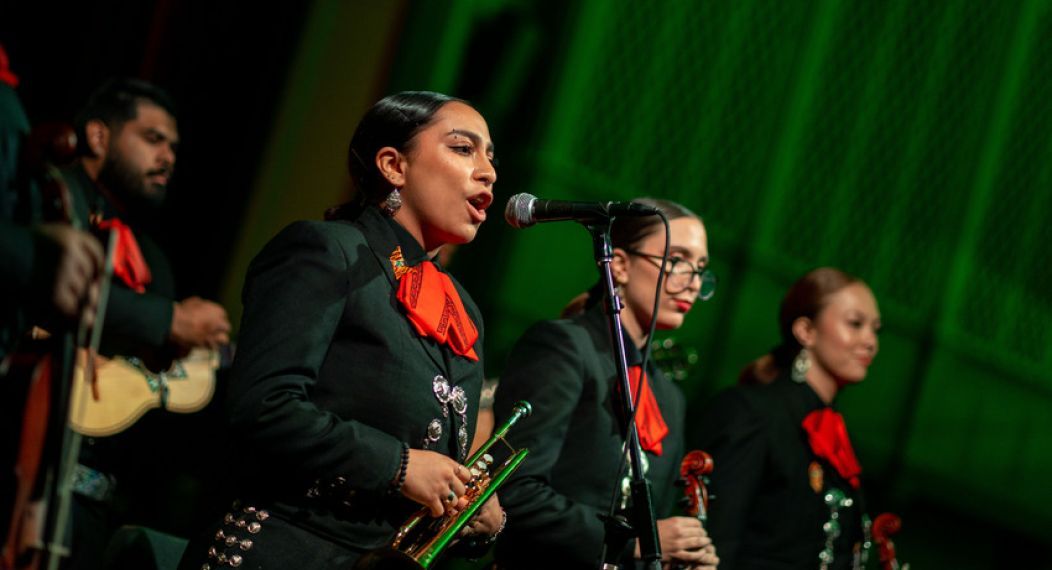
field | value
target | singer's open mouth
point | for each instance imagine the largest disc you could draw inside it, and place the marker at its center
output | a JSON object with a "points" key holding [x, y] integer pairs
{"points": [[477, 208]]}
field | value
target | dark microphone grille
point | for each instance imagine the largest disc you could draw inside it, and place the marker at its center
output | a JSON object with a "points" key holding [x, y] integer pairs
{"points": [[519, 211]]}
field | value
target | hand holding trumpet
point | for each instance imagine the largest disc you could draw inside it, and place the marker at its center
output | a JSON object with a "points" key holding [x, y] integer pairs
{"points": [[465, 495], [435, 481], [488, 522], [438, 483]]}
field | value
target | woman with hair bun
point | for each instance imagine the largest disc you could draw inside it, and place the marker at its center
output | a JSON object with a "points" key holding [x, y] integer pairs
{"points": [[784, 466], [565, 368]]}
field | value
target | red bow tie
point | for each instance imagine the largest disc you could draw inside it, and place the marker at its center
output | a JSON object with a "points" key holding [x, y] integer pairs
{"points": [[649, 422], [827, 435], [435, 310], [128, 264]]}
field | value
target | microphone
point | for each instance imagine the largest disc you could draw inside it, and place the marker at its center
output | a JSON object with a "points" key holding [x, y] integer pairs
{"points": [[524, 210]]}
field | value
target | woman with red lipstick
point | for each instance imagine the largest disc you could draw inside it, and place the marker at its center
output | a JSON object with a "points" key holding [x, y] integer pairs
{"points": [[359, 368], [781, 451], [566, 370]]}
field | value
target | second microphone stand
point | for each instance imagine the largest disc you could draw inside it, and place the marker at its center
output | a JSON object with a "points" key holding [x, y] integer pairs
{"points": [[643, 523]]}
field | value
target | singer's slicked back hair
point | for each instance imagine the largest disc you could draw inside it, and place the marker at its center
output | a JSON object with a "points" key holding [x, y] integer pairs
{"points": [[392, 122], [628, 231], [807, 297]]}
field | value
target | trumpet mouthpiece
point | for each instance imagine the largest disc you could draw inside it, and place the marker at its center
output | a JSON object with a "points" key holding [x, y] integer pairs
{"points": [[524, 408]]}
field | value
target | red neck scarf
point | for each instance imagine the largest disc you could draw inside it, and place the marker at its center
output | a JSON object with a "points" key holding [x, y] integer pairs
{"points": [[128, 264], [434, 307], [827, 435], [649, 422], [6, 76]]}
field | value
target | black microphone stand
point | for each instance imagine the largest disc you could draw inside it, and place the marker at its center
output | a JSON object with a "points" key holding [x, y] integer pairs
{"points": [[643, 524]]}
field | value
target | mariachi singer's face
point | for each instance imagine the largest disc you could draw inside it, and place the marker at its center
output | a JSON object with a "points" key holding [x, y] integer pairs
{"points": [[638, 273], [843, 339], [446, 178]]}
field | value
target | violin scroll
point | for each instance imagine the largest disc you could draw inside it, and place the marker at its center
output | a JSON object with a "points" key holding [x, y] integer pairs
{"points": [[693, 470], [884, 526]]}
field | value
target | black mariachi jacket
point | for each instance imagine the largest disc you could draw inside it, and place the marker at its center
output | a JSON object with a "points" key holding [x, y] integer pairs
{"points": [[136, 323], [765, 512], [330, 378], [565, 369]]}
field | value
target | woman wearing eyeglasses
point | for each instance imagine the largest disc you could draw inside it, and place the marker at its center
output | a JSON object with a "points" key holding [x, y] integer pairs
{"points": [[565, 368]]}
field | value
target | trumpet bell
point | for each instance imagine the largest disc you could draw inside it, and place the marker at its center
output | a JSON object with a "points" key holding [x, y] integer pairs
{"points": [[422, 539]]}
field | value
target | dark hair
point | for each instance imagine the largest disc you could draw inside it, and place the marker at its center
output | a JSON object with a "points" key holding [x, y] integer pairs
{"points": [[117, 101], [393, 121], [806, 297], [627, 233]]}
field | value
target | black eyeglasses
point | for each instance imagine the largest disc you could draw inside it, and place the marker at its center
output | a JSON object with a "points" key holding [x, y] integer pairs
{"points": [[679, 274]]}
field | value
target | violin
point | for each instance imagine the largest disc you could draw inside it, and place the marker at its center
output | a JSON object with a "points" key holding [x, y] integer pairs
{"points": [[694, 470], [47, 449], [885, 525]]}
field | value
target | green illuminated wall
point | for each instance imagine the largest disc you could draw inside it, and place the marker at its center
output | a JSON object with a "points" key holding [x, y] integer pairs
{"points": [[335, 77]]}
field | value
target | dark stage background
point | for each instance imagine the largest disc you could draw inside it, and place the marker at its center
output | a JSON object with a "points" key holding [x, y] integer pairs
{"points": [[909, 143]]}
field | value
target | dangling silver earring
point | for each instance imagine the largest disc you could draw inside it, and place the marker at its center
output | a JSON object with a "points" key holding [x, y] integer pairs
{"points": [[801, 364], [620, 292], [392, 203]]}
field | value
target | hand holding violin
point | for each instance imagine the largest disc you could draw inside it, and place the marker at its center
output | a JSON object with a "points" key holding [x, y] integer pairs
{"points": [[684, 542], [78, 261]]}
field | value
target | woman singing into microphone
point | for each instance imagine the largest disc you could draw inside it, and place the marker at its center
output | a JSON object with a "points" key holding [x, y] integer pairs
{"points": [[565, 368], [358, 372]]}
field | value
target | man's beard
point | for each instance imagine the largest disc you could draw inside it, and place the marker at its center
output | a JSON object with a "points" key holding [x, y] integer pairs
{"points": [[140, 199]]}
